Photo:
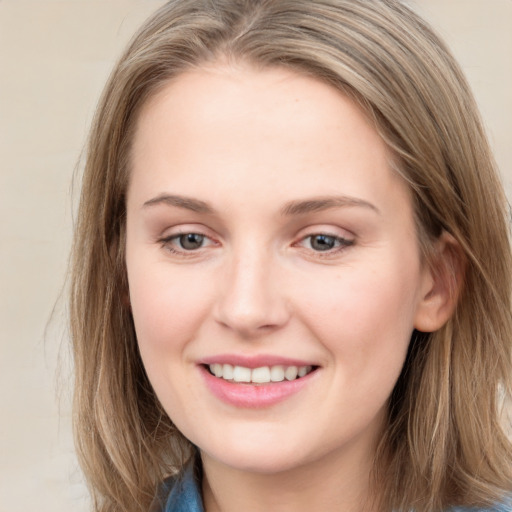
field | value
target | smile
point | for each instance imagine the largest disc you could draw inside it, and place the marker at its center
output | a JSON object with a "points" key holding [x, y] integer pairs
{"points": [[256, 386], [261, 375]]}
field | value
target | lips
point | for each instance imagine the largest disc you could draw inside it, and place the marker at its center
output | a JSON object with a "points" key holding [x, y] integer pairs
{"points": [[255, 382]]}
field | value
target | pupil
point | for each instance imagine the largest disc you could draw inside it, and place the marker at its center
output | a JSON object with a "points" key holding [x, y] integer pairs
{"points": [[191, 241], [322, 242]]}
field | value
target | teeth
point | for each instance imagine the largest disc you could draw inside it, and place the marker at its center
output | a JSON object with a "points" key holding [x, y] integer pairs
{"points": [[303, 371], [216, 370], [227, 372], [262, 375], [241, 374], [291, 373], [277, 373]]}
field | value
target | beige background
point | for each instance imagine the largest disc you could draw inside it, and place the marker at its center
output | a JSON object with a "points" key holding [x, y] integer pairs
{"points": [[54, 59]]}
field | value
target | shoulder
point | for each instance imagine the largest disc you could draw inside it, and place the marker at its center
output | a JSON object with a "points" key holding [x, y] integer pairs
{"points": [[180, 493]]}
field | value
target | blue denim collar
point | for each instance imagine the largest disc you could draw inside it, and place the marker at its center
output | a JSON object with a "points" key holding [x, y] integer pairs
{"points": [[181, 493]]}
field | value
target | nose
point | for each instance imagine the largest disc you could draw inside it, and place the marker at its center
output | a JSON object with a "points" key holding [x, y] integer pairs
{"points": [[251, 300]]}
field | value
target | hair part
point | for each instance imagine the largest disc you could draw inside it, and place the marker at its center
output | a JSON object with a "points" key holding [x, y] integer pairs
{"points": [[444, 444]]}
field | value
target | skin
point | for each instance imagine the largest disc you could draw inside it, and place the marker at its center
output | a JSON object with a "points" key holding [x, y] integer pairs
{"points": [[248, 143]]}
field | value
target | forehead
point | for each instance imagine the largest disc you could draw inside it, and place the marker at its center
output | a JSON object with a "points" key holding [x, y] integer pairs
{"points": [[237, 126], [211, 94]]}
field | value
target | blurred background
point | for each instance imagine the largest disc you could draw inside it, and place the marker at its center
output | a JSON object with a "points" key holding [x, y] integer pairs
{"points": [[55, 56]]}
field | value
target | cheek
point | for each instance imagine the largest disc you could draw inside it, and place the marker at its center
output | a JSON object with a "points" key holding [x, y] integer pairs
{"points": [[166, 306], [366, 314], [167, 311]]}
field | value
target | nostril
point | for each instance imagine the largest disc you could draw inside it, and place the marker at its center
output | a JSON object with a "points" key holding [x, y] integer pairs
{"points": [[252, 320], [249, 298]]}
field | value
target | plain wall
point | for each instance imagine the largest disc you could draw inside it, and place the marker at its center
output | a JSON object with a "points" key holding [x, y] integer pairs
{"points": [[54, 59]]}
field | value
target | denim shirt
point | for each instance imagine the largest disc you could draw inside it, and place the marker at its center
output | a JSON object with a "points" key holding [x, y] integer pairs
{"points": [[180, 494], [183, 494]]}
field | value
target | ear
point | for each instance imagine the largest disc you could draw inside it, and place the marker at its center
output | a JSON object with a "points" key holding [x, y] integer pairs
{"points": [[441, 285]]}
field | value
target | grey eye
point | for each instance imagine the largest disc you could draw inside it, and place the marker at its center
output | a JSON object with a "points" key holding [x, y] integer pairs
{"points": [[191, 241], [323, 242]]}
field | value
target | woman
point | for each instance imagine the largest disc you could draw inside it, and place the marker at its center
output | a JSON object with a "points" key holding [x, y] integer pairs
{"points": [[291, 281]]}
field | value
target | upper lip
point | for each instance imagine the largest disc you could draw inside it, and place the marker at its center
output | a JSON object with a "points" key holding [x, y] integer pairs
{"points": [[256, 361]]}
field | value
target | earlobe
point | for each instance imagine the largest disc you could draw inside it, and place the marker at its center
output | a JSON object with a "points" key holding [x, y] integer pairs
{"points": [[442, 284]]}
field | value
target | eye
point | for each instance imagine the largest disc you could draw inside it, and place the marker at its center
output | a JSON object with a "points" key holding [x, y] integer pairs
{"points": [[190, 241], [183, 243], [323, 242]]}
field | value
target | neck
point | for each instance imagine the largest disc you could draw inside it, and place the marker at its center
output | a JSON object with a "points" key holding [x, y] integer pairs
{"points": [[333, 483]]}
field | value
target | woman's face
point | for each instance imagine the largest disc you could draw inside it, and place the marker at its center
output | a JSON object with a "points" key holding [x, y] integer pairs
{"points": [[267, 236]]}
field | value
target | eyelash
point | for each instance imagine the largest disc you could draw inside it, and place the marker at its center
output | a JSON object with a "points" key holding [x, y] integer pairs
{"points": [[167, 241], [340, 242]]}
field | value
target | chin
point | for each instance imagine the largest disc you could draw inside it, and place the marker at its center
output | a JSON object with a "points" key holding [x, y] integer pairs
{"points": [[262, 456], [260, 463]]}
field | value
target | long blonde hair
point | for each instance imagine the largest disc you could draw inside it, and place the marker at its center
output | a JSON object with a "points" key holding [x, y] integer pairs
{"points": [[444, 443]]}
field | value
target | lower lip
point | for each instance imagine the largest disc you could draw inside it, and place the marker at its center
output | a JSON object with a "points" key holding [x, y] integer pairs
{"points": [[252, 396]]}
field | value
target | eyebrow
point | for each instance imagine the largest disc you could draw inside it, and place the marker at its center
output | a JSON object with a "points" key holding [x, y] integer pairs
{"points": [[324, 203], [299, 207], [188, 203]]}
